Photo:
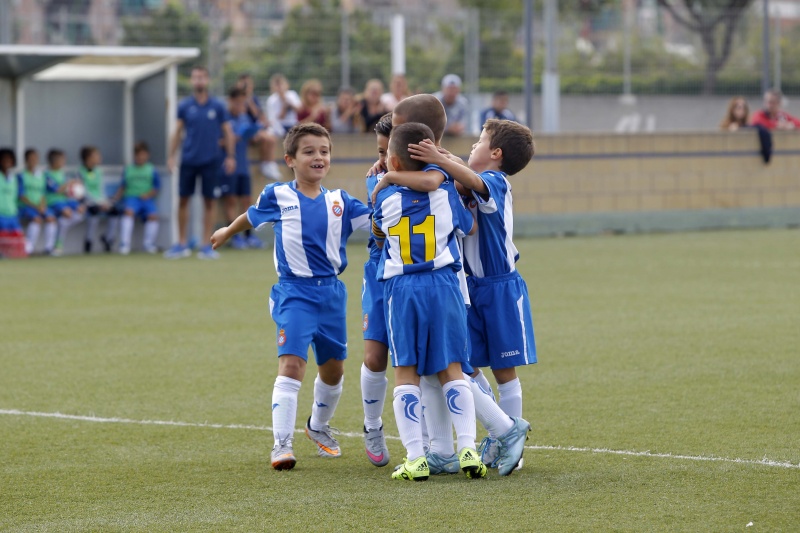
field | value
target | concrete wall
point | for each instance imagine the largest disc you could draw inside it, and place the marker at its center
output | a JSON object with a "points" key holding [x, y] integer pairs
{"points": [[149, 116], [6, 113]]}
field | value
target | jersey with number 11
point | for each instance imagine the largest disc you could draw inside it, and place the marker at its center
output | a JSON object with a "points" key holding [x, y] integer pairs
{"points": [[419, 229]]}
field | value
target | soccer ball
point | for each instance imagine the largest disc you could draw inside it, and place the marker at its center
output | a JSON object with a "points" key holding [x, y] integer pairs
{"points": [[76, 190]]}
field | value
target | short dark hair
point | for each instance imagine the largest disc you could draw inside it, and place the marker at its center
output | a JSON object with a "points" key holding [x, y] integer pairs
{"points": [[53, 153], [8, 152], [298, 131], [236, 92], [498, 94], [244, 76], [514, 139], [141, 146], [200, 67], [402, 136], [29, 152], [86, 152], [384, 125], [424, 109]]}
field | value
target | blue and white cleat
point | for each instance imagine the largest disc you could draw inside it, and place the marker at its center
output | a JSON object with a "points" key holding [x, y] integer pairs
{"points": [[207, 252], [512, 444], [443, 465], [489, 449], [178, 251]]}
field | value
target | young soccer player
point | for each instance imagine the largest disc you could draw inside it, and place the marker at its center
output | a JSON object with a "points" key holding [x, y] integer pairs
{"points": [[308, 304], [500, 323], [236, 187], [33, 204], [67, 210], [138, 190], [425, 311], [95, 201], [12, 242], [376, 349]]}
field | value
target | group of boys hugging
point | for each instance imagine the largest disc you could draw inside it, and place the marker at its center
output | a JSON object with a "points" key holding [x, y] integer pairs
{"points": [[52, 200], [437, 325]]}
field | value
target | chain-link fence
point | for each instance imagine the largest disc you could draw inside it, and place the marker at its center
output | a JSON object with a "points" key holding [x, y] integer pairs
{"points": [[604, 47]]}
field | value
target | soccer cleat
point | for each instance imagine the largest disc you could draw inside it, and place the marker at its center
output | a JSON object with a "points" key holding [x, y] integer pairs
{"points": [[375, 446], [254, 242], [238, 242], [152, 250], [443, 465], [512, 444], [489, 449], [327, 446], [207, 252], [283, 455], [178, 251], [124, 250], [416, 470], [470, 463]]}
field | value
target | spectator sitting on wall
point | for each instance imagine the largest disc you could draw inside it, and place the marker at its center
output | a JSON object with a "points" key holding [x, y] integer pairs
{"points": [[738, 115], [263, 139], [372, 108], [398, 91], [282, 106], [455, 105], [344, 111], [312, 109], [499, 108], [772, 116]]}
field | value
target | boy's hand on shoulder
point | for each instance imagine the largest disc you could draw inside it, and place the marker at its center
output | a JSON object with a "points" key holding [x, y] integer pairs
{"points": [[219, 237], [382, 184], [376, 169]]}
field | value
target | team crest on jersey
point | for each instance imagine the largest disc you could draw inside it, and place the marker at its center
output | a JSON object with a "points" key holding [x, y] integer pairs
{"points": [[414, 201], [337, 209], [281, 338], [473, 204], [365, 323]]}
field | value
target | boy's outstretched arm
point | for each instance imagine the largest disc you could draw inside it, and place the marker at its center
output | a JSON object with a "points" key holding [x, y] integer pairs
{"points": [[428, 152], [222, 235], [418, 180]]}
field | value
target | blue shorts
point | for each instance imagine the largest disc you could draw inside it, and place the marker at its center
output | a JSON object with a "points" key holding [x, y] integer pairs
{"points": [[500, 323], [27, 212], [208, 174], [372, 307], [141, 208], [427, 321], [310, 311], [236, 184], [58, 207], [10, 224]]}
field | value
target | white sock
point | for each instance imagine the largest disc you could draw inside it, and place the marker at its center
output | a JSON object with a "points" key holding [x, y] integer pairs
{"points": [[373, 393], [91, 227], [461, 404], [407, 411], [150, 233], [50, 235], [111, 228], [437, 417], [126, 231], [34, 228], [511, 398], [487, 411], [484, 383], [64, 224], [284, 407], [326, 398]]}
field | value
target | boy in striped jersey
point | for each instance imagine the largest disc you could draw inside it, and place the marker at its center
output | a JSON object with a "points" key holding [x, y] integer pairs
{"points": [[424, 308], [308, 304], [500, 323]]}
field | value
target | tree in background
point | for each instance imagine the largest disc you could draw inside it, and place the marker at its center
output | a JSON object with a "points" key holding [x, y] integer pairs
{"points": [[715, 21]]}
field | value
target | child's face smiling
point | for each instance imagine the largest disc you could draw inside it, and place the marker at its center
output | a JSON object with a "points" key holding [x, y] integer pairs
{"points": [[313, 158], [383, 148]]}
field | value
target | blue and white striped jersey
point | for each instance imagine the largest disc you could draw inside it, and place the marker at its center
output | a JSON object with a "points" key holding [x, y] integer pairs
{"points": [[310, 234], [490, 251], [374, 251], [419, 229]]}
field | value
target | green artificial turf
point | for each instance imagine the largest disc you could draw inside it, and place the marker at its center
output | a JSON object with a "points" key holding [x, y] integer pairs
{"points": [[686, 346]]}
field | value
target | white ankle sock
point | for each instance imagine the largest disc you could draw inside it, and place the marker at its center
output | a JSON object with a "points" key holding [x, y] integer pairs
{"points": [[126, 230], [284, 407], [50, 235], [34, 228], [487, 411], [407, 411], [511, 398], [437, 417], [150, 233], [326, 398], [373, 394], [461, 404]]}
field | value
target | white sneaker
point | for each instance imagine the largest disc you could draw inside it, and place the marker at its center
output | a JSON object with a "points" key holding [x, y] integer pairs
{"points": [[270, 170], [124, 250], [151, 249]]}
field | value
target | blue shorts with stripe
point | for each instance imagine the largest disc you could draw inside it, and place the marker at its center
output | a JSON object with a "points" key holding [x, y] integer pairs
{"points": [[500, 322], [427, 321], [310, 311], [27, 212], [139, 207], [372, 305]]}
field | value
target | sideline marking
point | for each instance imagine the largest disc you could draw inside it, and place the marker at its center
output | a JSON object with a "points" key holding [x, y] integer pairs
{"points": [[174, 423]]}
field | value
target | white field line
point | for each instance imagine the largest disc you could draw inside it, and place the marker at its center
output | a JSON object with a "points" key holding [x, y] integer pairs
{"points": [[174, 423]]}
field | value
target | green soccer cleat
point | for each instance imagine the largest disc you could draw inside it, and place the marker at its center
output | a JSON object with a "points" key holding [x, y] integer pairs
{"points": [[416, 470], [470, 462]]}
